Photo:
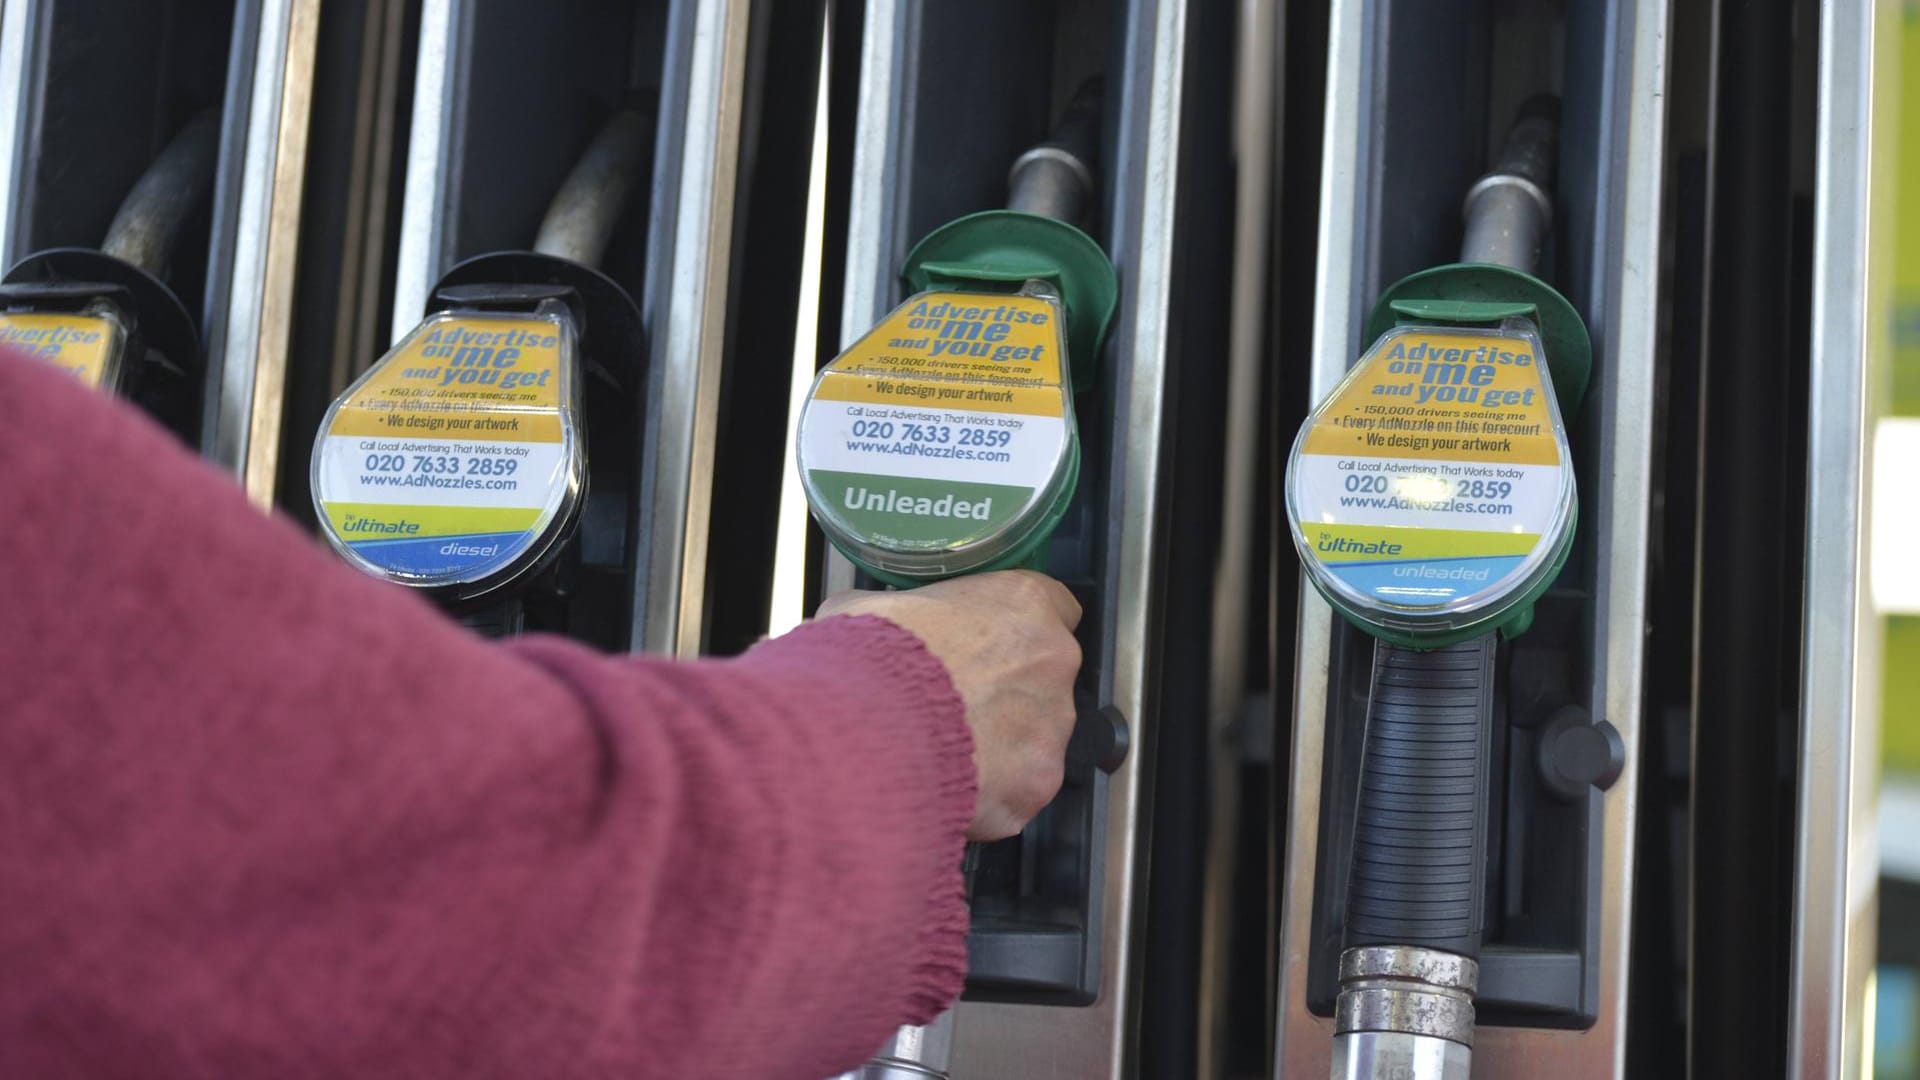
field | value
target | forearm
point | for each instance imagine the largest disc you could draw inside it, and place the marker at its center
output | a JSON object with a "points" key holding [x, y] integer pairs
{"points": [[260, 815]]}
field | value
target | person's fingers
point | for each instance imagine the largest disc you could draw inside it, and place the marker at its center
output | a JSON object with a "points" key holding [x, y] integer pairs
{"points": [[1007, 642]]}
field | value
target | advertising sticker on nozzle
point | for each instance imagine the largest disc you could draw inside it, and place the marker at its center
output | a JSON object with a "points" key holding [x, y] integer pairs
{"points": [[941, 439], [453, 458], [1436, 479], [86, 347]]}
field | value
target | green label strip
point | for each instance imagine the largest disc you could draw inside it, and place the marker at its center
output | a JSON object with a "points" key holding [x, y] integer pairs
{"points": [[902, 510]]}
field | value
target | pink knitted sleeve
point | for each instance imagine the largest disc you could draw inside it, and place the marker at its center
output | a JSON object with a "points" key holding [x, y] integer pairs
{"points": [[262, 816]]}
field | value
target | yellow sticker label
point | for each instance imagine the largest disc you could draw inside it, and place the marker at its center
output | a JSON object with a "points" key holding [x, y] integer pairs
{"points": [[84, 346], [960, 351], [1442, 395], [465, 376]]}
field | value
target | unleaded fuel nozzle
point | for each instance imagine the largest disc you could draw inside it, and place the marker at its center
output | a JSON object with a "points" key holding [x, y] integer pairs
{"points": [[944, 441], [1432, 501], [458, 462], [1431, 497]]}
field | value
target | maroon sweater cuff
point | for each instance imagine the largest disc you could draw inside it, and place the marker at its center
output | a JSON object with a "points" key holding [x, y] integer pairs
{"points": [[928, 794]]}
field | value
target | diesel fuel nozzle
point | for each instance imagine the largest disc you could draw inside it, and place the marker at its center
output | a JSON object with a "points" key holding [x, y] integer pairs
{"points": [[458, 463], [108, 316]]}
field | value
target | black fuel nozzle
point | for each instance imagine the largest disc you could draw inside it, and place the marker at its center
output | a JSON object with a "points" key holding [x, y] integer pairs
{"points": [[108, 315], [484, 398]]}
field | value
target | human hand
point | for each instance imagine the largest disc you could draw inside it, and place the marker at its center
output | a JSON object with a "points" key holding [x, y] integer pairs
{"points": [[1007, 641]]}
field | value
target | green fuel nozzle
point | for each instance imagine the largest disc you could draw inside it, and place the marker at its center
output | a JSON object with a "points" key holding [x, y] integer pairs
{"points": [[1431, 497], [944, 441], [1432, 501]]}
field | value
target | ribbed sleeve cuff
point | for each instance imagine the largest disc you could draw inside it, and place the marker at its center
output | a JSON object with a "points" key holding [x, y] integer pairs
{"points": [[896, 663]]}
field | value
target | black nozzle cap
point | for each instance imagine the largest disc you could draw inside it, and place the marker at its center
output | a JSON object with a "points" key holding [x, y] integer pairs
{"points": [[167, 333]]}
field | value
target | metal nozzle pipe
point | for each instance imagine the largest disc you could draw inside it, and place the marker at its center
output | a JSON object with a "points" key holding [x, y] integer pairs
{"points": [[1056, 178], [913, 1053], [1509, 210], [1404, 1012], [580, 221], [147, 225]]}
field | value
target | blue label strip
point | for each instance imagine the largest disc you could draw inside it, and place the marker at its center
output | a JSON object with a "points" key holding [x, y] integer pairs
{"points": [[1425, 582], [472, 555]]}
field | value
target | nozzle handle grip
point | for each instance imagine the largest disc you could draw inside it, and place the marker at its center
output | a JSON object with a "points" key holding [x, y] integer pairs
{"points": [[1418, 875]]}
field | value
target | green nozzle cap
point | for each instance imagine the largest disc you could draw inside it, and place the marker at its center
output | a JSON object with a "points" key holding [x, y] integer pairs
{"points": [[998, 250]]}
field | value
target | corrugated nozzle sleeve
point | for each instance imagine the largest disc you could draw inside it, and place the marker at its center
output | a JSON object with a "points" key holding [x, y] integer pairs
{"points": [[1419, 845]]}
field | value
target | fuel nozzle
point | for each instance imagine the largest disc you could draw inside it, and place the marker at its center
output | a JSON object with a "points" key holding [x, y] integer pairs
{"points": [[458, 462], [1432, 502], [107, 316], [1431, 497], [944, 441]]}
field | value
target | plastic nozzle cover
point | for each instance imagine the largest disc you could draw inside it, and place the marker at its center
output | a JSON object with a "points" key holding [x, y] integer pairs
{"points": [[944, 442], [458, 461], [89, 343]]}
